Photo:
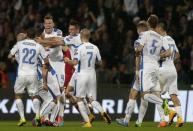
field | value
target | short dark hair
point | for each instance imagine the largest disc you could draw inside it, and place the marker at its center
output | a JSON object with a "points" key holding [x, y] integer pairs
{"points": [[153, 21], [31, 33], [163, 25], [142, 24], [74, 23], [48, 17]]}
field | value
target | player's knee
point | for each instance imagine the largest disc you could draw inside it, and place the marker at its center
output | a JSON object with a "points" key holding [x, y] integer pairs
{"points": [[133, 94], [175, 100], [18, 96]]}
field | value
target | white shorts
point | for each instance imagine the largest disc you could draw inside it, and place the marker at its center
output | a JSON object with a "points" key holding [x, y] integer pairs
{"points": [[26, 82], [53, 85], [86, 85], [59, 67], [168, 80], [149, 79]]}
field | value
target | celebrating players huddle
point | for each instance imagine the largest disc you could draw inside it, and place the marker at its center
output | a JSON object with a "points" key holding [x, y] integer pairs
{"points": [[53, 68]]}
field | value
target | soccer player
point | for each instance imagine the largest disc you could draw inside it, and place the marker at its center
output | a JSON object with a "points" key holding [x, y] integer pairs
{"points": [[86, 57], [150, 44], [168, 75], [28, 52], [56, 75], [141, 27]]}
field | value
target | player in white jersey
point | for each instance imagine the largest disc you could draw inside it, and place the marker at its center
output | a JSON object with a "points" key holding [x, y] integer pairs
{"points": [[150, 47], [85, 58], [168, 75], [141, 27], [56, 74], [28, 52]]}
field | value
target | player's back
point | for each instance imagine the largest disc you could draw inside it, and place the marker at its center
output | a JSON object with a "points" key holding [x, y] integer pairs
{"points": [[28, 53], [87, 55], [152, 45], [169, 61]]}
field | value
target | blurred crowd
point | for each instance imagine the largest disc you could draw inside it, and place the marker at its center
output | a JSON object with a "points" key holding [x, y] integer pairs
{"points": [[112, 23]]}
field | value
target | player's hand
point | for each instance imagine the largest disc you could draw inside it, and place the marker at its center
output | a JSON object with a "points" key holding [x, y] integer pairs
{"points": [[137, 76], [45, 87], [66, 59], [38, 39]]}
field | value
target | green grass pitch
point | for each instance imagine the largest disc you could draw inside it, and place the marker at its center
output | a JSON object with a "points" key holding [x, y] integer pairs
{"points": [[97, 126]]}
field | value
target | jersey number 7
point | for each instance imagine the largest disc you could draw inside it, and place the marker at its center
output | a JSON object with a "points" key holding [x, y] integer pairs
{"points": [[90, 58]]}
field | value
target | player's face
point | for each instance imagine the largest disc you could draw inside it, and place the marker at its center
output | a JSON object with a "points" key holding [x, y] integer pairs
{"points": [[139, 30], [48, 25], [73, 30]]}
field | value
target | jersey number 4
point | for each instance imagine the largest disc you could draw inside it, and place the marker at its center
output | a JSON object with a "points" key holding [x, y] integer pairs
{"points": [[28, 55], [153, 47]]}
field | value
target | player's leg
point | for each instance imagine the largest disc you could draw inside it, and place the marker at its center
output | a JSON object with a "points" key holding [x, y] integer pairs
{"points": [[142, 112], [80, 92], [92, 95], [19, 91], [173, 91], [149, 82], [32, 89]]}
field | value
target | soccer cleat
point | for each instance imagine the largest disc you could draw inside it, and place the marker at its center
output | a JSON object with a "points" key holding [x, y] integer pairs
{"points": [[162, 124], [165, 106], [122, 122], [21, 122], [106, 117], [91, 117], [180, 122], [38, 121], [137, 124], [172, 114], [87, 125], [60, 121]]}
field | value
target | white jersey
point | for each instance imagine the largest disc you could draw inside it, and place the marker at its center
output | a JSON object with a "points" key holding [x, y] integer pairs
{"points": [[28, 52], [168, 41], [55, 54], [87, 55], [152, 43], [73, 42]]}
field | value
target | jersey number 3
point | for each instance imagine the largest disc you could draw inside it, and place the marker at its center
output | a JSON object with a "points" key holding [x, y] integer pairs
{"points": [[28, 52], [153, 47]]}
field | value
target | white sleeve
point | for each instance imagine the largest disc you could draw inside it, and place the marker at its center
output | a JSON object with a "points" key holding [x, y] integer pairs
{"points": [[77, 54], [68, 40], [59, 33], [43, 54], [165, 44], [142, 39], [98, 56], [15, 49], [176, 48]]}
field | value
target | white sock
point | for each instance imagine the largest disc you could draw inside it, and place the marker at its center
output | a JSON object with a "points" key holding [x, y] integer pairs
{"points": [[129, 109], [161, 112], [82, 110], [178, 110], [47, 108], [87, 106], [54, 112], [153, 99], [20, 108], [97, 106], [61, 110], [142, 110], [36, 104], [158, 101]]}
